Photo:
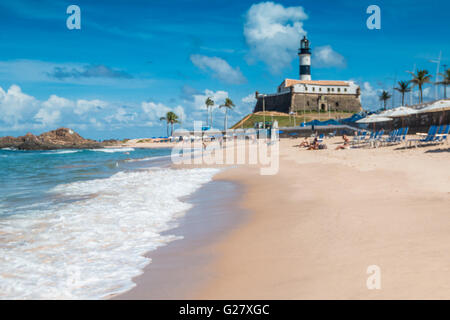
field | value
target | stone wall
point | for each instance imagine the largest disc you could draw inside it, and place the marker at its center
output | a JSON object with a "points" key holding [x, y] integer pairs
{"points": [[280, 103], [309, 102], [326, 102]]}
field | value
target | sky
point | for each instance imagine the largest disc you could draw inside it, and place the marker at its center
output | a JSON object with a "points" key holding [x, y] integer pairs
{"points": [[133, 61]]}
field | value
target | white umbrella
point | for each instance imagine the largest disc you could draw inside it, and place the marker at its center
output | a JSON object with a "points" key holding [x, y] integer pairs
{"points": [[398, 112], [374, 118], [441, 105]]}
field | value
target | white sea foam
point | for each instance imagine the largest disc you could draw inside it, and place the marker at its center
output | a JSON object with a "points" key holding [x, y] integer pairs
{"points": [[93, 248], [111, 150], [148, 158], [61, 152]]}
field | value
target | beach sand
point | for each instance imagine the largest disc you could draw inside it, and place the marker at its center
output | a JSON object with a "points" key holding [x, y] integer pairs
{"points": [[314, 228]]}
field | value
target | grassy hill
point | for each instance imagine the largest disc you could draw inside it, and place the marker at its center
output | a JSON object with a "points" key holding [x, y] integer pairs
{"points": [[284, 120]]}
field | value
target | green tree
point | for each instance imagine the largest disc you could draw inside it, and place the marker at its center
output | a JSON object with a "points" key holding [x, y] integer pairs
{"points": [[228, 105], [385, 96], [209, 104], [445, 82], [419, 79], [403, 87], [170, 118]]}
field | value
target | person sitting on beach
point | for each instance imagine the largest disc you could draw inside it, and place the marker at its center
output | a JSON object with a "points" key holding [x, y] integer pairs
{"points": [[346, 144], [305, 143], [315, 145]]}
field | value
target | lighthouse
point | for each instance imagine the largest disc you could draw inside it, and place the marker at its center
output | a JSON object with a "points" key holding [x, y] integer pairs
{"points": [[304, 54]]}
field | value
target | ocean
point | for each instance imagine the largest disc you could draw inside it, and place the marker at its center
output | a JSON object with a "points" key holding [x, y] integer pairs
{"points": [[76, 224]]}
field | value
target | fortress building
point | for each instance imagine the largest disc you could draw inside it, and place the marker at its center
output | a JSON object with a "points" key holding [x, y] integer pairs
{"points": [[310, 95]]}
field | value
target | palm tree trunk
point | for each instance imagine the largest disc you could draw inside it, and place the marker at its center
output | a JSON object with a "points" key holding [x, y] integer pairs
{"points": [[171, 129], [225, 124], [421, 96], [403, 98], [167, 128], [211, 122]]}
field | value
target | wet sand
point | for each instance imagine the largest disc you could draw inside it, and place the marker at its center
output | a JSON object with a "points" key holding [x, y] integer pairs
{"points": [[314, 228], [181, 267]]}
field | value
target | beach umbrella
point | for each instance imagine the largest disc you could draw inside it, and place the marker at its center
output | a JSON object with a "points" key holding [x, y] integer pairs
{"points": [[438, 106], [374, 118], [398, 112], [441, 105]]}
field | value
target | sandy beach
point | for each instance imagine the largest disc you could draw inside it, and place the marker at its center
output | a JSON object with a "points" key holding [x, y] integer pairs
{"points": [[314, 228]]}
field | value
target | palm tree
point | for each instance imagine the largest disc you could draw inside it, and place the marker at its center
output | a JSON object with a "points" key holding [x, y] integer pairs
{"points": [[167, 124], [385, 96], [403, 87], [227, 105], [171, 118], [209, 103], [445, 81], [419, 79]]}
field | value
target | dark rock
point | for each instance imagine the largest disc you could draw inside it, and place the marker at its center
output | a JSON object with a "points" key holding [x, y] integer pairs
{"points": [[62, 138]]}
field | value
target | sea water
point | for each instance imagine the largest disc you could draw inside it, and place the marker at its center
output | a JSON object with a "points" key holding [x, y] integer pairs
{"points": [[76, 224]]}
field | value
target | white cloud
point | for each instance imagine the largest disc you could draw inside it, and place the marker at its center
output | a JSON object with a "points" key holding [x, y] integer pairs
{"points": [[155, 111], [250, 99], [273, 33], [15, 105], [47, 116], [248, 104], [370, 96], [122, 116], [218, 68], [22, 112], [325, 56], [217, 96], [84, 106], [55, 102], [52, 110]]}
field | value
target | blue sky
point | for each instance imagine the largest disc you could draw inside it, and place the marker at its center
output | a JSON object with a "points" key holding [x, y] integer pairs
{"points": [[132, 61]]}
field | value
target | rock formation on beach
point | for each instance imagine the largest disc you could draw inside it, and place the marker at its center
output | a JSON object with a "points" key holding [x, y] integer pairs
{"points": [[62, 138]]}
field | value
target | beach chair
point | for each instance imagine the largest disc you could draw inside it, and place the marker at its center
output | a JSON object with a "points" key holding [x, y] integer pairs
{"points": [[391, 138], [377, 140], [402, 137], [435, 137], [397, 136], [374, 136], [442, 135], [359, 138], [320, 138], [429, 137], [332, 134]]}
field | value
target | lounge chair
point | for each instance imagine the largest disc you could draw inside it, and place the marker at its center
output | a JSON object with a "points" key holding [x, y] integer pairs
{"points": [[320, 138], [429, 137], [332, 134], [392, 137], [443, 133], [402, 137], [359, 138]]}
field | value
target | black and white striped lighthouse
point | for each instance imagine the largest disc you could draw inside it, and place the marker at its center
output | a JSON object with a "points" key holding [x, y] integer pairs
{"points": [[304, 54]]}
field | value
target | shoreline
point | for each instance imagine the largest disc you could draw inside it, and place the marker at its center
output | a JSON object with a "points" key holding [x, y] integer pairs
{"points": [[315, 227], [180, 268]]}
